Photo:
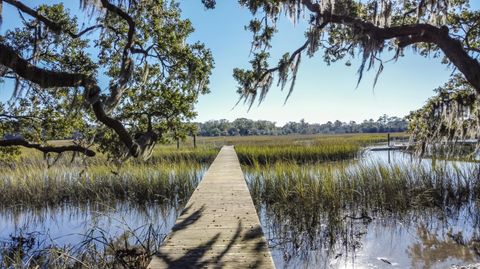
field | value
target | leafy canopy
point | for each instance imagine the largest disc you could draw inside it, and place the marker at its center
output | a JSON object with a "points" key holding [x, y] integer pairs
{"points": [[151, 76]]}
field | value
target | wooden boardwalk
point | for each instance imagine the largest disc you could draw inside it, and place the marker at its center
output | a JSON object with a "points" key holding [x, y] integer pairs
{"points": [[219, 227]]}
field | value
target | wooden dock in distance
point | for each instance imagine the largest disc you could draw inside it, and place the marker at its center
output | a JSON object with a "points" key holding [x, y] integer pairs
{"points": [[219, 227]]}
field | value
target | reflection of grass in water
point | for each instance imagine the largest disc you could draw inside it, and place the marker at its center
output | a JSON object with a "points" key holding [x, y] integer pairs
{"points": [[328, 206], [432, 249], [99, 247]]}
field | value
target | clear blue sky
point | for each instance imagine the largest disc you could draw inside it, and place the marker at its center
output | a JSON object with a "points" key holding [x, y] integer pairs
{"points": [[321, 93]]}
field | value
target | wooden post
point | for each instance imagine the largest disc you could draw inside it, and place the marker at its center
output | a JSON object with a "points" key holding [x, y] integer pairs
{"points": [[194, 141], [388, 144]]}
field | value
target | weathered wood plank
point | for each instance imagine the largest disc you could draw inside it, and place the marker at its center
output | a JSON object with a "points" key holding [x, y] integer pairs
{"points": [[219, 227]]}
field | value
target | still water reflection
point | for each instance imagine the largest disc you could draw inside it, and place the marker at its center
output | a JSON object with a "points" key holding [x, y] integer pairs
{"points": [[69, 224], [415, 239]]}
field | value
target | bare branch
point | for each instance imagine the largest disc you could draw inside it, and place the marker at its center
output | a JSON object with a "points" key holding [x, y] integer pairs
{"points": [[44, 78], [19, 117], [47, 149], [452, 48], [86, 30], [53, 26], [126, 65]]}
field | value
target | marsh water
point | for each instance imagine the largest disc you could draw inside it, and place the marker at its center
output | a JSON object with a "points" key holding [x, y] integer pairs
{"points": [[71, 224], [414, 239]]}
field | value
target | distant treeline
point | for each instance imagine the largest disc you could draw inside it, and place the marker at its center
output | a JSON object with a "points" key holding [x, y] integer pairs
{"points": [[244, 127]]}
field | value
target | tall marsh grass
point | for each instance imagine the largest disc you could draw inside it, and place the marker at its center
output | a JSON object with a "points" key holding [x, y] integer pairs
{"points": [[264, 155], [169, 175], [165, 154], [377, 186], [305, 149], [161, 182]]}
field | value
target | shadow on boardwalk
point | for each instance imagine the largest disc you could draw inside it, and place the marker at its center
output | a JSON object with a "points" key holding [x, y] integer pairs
{"points": [[219, 228], [201, 256]]}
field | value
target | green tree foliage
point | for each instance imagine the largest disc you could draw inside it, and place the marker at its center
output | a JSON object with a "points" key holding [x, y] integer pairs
{"points": [[153, 76], [246, 127]]}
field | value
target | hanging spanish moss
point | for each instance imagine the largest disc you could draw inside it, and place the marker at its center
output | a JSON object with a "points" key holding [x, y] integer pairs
{"points": [[339, 28], [447, 120]]}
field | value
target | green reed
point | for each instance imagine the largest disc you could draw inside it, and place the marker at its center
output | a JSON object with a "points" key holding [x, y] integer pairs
{"points": [[165, 154], [36, 186], [394, 187], [250, 155], [305, 149]]}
